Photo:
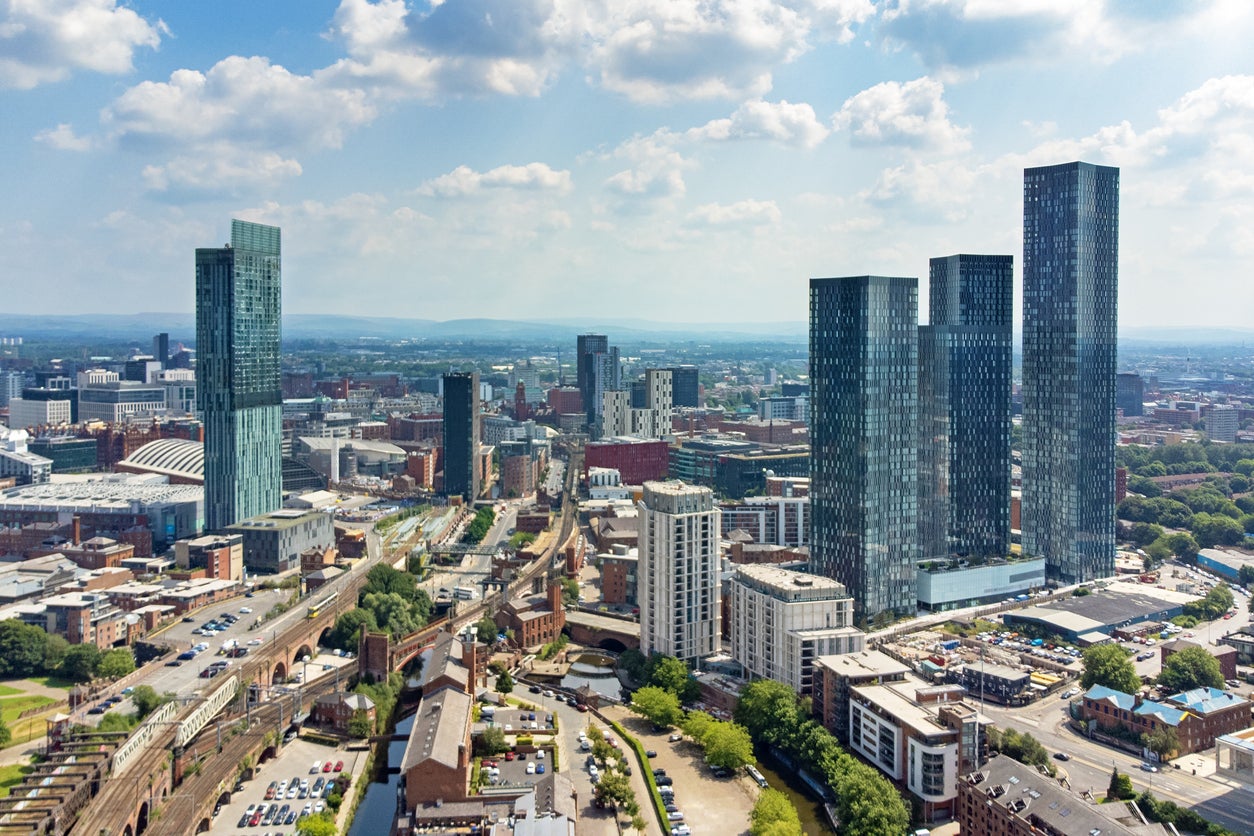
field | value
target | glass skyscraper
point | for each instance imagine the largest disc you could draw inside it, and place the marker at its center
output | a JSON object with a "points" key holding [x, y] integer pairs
{"points": [[964, 408], [864, 438], [238, 391], [1070, 311], [461, 434]]}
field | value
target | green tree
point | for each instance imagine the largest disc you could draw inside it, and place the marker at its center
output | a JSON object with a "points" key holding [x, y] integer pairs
{"points": [[23, 649], [1183, 546], [346, 634], [80, 662], [1021, 746], [116, 663], [504, 683], [614, 788], [696, 724], [1120, 788], [146, 700], [485, 630], [1141, 534], [1162, 741], [570, 591], [393, 612], [659, 706], [771, 811], [54, 651], [672, 675], [114, 721], [360, 725], [638, 823], [1190, 668], [5, 734], [1108, 664], [727, 745], [492, 741], [319, 824], [868, 805], [385, 579], [768, 709]]}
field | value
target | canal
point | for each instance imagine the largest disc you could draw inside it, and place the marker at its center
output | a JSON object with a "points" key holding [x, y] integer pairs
{"points": [[378, 805], [813, 817]]}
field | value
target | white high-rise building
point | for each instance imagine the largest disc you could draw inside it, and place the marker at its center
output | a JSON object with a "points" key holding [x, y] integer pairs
{"points": [[781, 621], [678, 575], [616, 413]]}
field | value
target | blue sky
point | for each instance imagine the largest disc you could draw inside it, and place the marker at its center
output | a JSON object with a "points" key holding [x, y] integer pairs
{"points": [[679, 160]]}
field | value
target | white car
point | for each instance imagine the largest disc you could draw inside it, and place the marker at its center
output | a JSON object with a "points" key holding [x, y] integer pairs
{"points": [[540, 755], [246, 610], [531, 767]]}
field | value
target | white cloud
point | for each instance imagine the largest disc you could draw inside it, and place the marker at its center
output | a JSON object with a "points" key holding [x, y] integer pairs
{"points": [[464, 180], [740, 213], [912, 114], [656, 169], [790, 124], [221, 168], [63, 138], [44, 41]]}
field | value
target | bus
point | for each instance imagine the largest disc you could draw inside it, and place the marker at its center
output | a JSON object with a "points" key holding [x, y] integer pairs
{"points": [[465, 593], [316, 609]]}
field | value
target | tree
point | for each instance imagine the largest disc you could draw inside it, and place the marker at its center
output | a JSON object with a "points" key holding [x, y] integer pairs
{"points": [[727, 745], [346, 634], [146, 700], [570, 591], [394, 612], [116, 663], [5, 734], [1190, 668], [485, 630], [774, 814], [1183, 546], [80, 662], [615, 788], [492, 741], [360, 725], [1142, 534], [1120, 788], [638, 823], [868, 804], [1108, 664], [23, 649], [319, 824], [659, 706], [504, 683], [696, 724], [1021, 746], [672, 675], [768, 709], [1162, 741], [115, 721], [383, 578]]}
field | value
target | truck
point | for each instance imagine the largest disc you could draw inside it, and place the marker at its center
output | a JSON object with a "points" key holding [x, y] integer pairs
{"points": [[465, 593]]}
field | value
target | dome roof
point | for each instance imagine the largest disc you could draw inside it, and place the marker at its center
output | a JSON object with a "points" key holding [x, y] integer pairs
{"points": [[174, 457]]}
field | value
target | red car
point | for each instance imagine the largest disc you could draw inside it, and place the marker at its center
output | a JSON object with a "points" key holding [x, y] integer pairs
{"points": [[327, 767], [582, 708], [255, 820], [339, 766], [509, 756]]}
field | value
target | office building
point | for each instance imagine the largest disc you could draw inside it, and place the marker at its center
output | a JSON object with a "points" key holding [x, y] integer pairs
{"points": [[40, 412], [616, 413], [461, 435], [161, 349], [864, 443], [1130, 394], [964, 408], [1070, 309], [274, 542], [11, 383], [782, 621], [120, 401], [238, 391], [685, 386], [17, 460], [679, 593], [587, 346]]}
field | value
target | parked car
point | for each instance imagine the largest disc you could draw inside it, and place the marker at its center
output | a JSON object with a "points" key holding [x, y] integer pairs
{"points": [[649, 753], [676, 737], [675, 816]]}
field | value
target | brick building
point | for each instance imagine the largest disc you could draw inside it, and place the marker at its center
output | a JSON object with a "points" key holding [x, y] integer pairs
{"points": [[1226, 656], [535, 620], [618, 575], [1197, 716], [637, 460], [335, 710]]}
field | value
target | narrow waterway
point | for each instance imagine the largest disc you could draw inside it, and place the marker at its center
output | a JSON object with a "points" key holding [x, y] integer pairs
{"points": [[378, 806], [597, 672], [813, 817]]}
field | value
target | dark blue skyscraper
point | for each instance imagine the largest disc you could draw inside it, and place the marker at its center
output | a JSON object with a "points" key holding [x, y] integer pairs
{"points": [[461, 435], [1070, 312], [964, 408], [238, 311], [863, 435]]}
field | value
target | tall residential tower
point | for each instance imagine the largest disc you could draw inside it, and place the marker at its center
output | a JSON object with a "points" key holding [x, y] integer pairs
{"points": [[679, 587], [964, 408], [461, 435], [1070, 311], [238, 383], [864, 438]]}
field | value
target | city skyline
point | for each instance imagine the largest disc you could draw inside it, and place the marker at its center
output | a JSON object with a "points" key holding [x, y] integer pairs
{"points": [[497, 157]]}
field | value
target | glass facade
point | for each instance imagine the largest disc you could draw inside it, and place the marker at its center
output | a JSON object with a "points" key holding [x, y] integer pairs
{"points": [[461, 434], [238, 311], [864, 442], [964, 408], [1070, 311]]}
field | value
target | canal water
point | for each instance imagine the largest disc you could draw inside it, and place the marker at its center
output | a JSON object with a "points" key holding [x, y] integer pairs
{"points": [[813, 817], [374, 814], [596, 671]]}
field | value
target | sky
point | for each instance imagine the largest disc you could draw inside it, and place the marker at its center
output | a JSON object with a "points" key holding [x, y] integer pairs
{"points": [[673, 160]]}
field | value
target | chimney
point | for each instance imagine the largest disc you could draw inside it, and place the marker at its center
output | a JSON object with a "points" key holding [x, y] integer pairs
{"points": [[76, 530]]}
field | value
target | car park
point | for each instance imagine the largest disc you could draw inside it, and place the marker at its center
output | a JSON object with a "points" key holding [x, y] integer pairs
{"points": [[675, 816]]}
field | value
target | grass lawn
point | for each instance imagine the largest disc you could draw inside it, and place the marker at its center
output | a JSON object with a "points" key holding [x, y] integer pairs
{"points": [[54, 682], [9, 691], [29, 728], [12, 775]]}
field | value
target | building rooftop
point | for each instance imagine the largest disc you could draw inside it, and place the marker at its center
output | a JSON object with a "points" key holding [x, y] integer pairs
{"points": [[114, 492], [285, 518], [1116, 698], [1243, 739], [1206, 700], [788, 585], [1036, 798], [169, 457], [439, 730], [866, 664], [1165, 713]]}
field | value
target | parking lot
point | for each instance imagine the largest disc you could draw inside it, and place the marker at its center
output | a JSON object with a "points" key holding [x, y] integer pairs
{"points": [[294, 762]]}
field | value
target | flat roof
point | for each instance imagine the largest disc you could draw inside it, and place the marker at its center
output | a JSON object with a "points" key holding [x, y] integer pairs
{"points": [[866, 663], [790, 585]]}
